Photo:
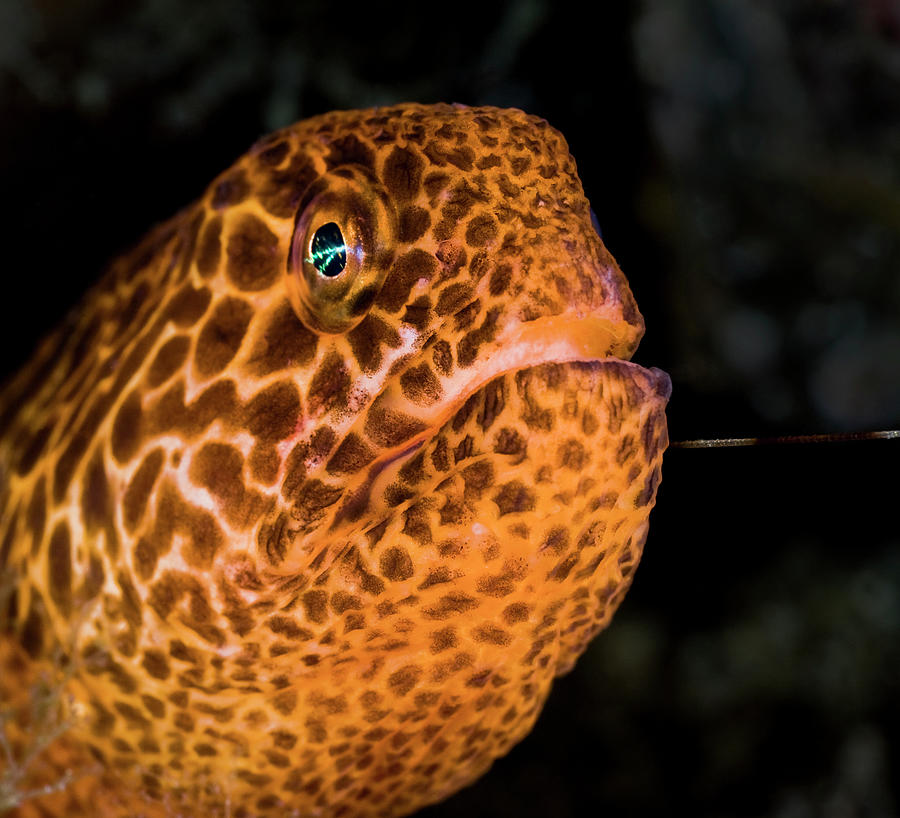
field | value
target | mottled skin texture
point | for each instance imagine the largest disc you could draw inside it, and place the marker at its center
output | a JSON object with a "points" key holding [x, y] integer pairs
{"points": [[281, 571]]}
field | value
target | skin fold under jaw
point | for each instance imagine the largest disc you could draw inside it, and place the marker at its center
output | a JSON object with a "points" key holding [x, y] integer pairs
{"points": [[316, 492]]}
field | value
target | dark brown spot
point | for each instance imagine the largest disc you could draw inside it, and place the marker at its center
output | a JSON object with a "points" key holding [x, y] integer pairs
{"points": [[187, 306], [452, 258], [452, 512], [413, 471], [351, 456], [450, 605], [209, 248], [202, 535], [96, 501], [156, 664], [441, 153], [221, 336], [80, 438], [519, 164], [465, 318], [36, 514], [154, 706], [59, 568], [478, 477], [131, 714], [367, 339], [418, 313], [572, 455], [453, 298], [488, 161], [145, 558], [561, 570], [284, 343], [504, 583], [315, 606], [420, 385], [501, 276], [312, 498], [280, 191], [350, 150], [330, 385], [230, 189], [396, 564], [33, 628], [273, 413], [514, 613], [283, 739], [465, 412], [513, 497], [138, 492], [492, 635], [436, 576], [469, 344], [33, 449], [406, 271], [170, 413], [556, 540], [264, 463], [443, 639], [402, 681], [341, 601], [127, 431], [253, 254], [494, 401], [288, 628], [413, 222], [435, 183], [273, 154], [402, 173], [170, 357], [218, 467], [276, 759], [388, 428], [442, 356], [285, 702], [137, 357], [481, 230]]}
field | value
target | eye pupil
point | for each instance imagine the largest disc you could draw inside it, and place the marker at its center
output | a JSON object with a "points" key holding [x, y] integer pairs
{"points": [[327, 251]]}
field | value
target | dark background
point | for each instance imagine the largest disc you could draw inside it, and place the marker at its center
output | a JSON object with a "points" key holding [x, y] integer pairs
{"points": [[743, 159]]}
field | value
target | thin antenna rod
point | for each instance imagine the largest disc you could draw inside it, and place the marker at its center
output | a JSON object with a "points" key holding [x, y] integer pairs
{"points": [[835, 437]]}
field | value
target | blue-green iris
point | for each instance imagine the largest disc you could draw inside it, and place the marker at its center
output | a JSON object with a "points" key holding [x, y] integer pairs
{"points": [[327, 251]]}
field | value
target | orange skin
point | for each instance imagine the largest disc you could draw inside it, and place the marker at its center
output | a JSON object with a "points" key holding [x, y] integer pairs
{"points": [[289, 542]]}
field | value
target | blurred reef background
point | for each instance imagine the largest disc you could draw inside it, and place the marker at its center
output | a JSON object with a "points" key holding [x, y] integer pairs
{"points": [[743, 160]]}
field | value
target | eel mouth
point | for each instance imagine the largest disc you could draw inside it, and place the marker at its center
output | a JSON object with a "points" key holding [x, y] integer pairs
{"points": [[558, 339], [555, 339]]}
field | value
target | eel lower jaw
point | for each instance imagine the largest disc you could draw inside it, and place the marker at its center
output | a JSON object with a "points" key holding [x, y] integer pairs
{"points": [[551, 340]]}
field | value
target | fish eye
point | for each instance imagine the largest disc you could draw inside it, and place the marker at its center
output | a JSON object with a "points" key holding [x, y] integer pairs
{"points": [[341, 250], [327, 250]]}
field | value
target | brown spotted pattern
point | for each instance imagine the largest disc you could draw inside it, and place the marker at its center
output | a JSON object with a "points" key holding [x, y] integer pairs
{"points": [[283, 572]]}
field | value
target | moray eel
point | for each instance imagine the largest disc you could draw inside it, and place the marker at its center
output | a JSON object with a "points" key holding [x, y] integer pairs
{"points": [[308, 502]]}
